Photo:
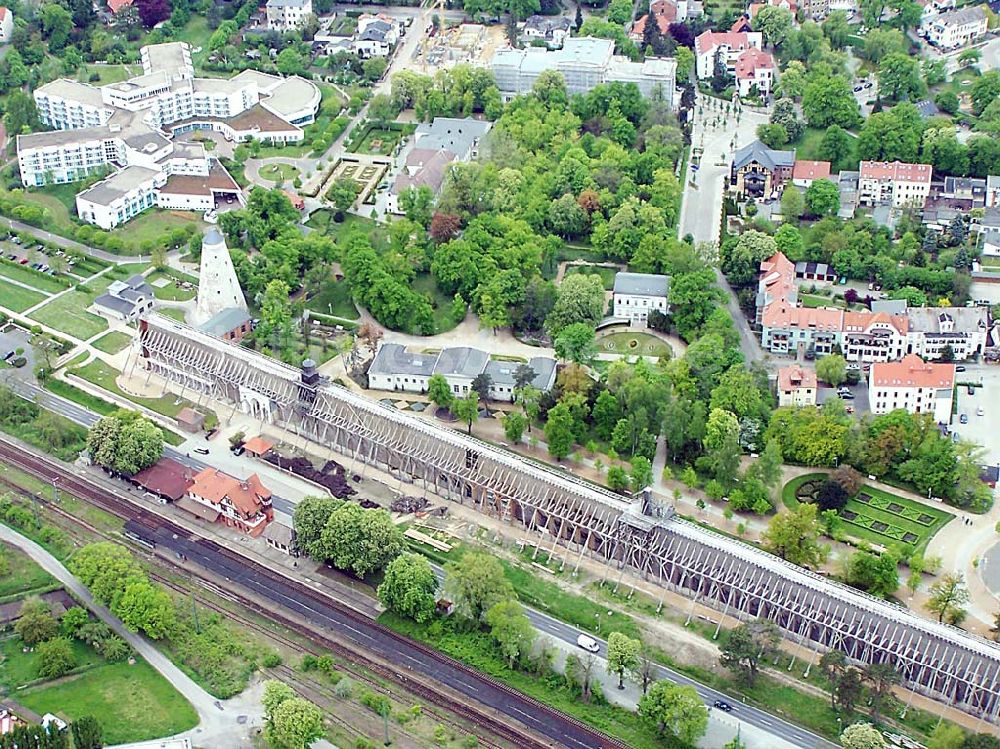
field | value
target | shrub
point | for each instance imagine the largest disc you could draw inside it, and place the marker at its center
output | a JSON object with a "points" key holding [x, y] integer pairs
{"points": [[55, 658], [831, 496], [377, 703], [271, 660], [848, 479]]}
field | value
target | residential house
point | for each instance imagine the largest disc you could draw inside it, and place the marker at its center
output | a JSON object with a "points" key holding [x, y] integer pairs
{"points": [[956, 28], [805, 172], [376, 36], [395, 368], [552, 31], [664, 13], [126, 300], [726, 46], [867, 337], [934, 331], [285, 15], [6, 24], [991, 243], [460, 366], [241, 503], [895, 184], [754, 72], [776, 282], [501, 372], [758, 171], [637, 294], [796, 386], [422, 168], [970, 190], [116, 6], [992, 197], [914, 385]]}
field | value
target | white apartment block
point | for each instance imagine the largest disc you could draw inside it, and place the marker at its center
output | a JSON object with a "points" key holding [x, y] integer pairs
{"points": [[956, 28], [637, 294], [6, 25], [895, 184], [913, 385], [128, 128], [727, 45], [585, 62], [285, 15]]}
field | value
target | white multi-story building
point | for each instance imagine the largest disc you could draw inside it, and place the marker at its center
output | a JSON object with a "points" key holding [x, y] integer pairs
{"points": [[6, 25], [796, 386], [895, 184], [913, 385], [934, 330], [755, 70], [585, 62], [376, 35], [956, 28], [285, 15], [725, 45], [637, 294], [127, 127]]}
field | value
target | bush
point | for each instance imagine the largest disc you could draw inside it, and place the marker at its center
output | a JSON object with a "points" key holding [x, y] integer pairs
{"points": [[377, 703], [271, 660], [55, 658], [848, 479], [831, 496]]}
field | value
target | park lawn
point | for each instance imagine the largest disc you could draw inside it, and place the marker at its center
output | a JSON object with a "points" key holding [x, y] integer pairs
{"points": [[279, 172], [18, 668], [807, 147], [607, 275], [23, 574], [174, 313], [424, 283], [18, 298], [387, 141], [153, 223], [108, 74], [68, 313], [633, 344], [99, 373], [334, 299], [172, 292], [133, 703], [64, 194], [898, 522], [40, 281], [815, 300], [322, 221], [113, 342]]}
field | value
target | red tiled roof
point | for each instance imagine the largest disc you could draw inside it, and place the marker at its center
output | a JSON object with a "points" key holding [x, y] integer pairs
{"points": [[665, 13], [865, 320], [896, 170], [751, 61], [781, 314], [913, 372], [247, 497], [166, 477], [794, 377], [194, 184], [116, 5], [257, 445], [3, 13], [811, 170], [709, 40]]}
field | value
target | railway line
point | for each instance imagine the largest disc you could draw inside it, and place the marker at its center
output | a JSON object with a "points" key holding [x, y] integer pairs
{"points": [[472, 696]]}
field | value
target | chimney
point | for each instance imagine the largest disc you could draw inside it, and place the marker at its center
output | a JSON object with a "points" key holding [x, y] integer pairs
{"points": [[310, 376]]}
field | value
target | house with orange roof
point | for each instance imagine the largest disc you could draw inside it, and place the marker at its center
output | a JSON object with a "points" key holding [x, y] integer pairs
{"points": [[796, 386], [805, 172], [6, 24], [895, 184], [728, 45], [913, 385], [754, 73], [240, 503], [663, 11], [874, 336]]}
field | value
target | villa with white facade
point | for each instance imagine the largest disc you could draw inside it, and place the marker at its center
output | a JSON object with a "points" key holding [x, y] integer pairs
{"points": [[637, 294]]}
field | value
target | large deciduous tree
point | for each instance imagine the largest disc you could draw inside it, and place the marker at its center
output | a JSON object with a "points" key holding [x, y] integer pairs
{"points": [[360, 540], [125, 442], [623, 655], [409, 587], [675, 710], [747, 646], [475, 583], [511, 629], [795, 536], [580, 300], [862, 736], [948, 597]]}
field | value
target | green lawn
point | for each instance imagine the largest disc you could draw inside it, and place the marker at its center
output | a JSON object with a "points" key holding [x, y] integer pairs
{"points": [[172, 292], [23, 574], [18, 298], [424, 283], [322, 221], [633, 344], [103, 375], [884, 519], [334, 299], [68, 313], [607, 275], [19, 668], [279, 172], [154, 223], [808, 146], [174, 313], [60, 199], [815, 300], [113, 342], [133, 703], [40, 281], [379, 141], [108, 73]]}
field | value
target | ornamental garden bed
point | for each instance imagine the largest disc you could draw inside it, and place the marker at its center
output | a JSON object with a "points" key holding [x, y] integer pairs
{"points": [[876, 516]]}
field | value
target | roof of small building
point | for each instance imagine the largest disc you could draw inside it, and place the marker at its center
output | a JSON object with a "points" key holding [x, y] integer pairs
{"points": [[393, 359], [198, 509], [889, 306], [642, 284], [748, 63], [166, 477], [961, 17], [766, 157], [189, 416], [218, 179], [461, 361], [279, 533], [225, 321], [912, 371], [258, 445], [455, 135], [501, 372], [115, 304], [547, 24], [805, 169], [795, 376]]}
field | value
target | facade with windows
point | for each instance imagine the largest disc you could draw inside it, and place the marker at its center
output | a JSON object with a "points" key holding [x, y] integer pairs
{"points": [[894, 184], [913, 385], [637, 294], [285, 15]]}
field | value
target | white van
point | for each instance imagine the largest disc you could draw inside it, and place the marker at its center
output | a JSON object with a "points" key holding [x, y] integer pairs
{"points": [[588, 643]]}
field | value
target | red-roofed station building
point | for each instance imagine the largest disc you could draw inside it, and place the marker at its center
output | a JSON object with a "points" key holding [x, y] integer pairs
{"points": [[243, 504], [914, 385]]}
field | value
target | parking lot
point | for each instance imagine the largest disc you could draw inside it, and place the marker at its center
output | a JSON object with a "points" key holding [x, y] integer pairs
{"points": [[13, 338], [980, 429]]}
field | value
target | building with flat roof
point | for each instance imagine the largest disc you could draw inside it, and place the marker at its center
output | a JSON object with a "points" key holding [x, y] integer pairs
{"points": [[130, 125], [585, 62], [635, 295], [913, 385]]}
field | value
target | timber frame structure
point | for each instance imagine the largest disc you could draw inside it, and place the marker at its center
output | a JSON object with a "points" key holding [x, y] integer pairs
{"points": [[737, 579]]}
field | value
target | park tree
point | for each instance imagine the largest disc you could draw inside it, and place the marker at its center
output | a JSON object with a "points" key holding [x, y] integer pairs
{"points": [[125, 442], [793, 205], [481, 385], [359, 540], [641, 474], [409, 587], [106, 569], [741, 261], [275, 692], [789, 241], [786, 114], [580, 300], [576, 343], [54, 658], [899, 77], [623, 655], [474, 584], [439, 391], [881, 678], [87, 733], [981, 741], [747, 646], [342, 194], [948, 597], [559, 431], [511, 629], [467, 409], [35, 623], [848, 479], [152, 12], [822, 198], [829, 100], [862, 736], [675, 710], [774, 23], [57, 23], [878, 575], [514, 425], [309, 519], [794, 536], [20, 113], [417, 203], [891, 134], [832, 369], [836, 146], [693, 298], [295, 723], [834, 666]]}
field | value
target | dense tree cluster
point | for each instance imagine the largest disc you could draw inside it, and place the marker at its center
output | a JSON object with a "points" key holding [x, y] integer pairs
{"points": [[125, 442], [346, 535]]}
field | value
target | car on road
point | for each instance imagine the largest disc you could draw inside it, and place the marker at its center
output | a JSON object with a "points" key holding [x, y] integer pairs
{"points": [[963, 419], [970, 389], [588, 643], [723, 706], [980, 411], [960, 368], [201, 450]]}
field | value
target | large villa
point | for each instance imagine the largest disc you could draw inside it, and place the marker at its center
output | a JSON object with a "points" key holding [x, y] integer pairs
{"points": [[129, 127]]}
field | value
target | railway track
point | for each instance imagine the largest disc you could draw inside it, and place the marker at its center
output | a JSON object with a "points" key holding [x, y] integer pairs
{"points": [[475, 697]]}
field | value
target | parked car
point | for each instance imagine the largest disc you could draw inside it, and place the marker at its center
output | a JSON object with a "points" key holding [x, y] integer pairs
{"points": [[9, 355], [723, 706], [970, 389], [846, 395], [201, 450], [960, 368], [980, 411], [588, 643], [24, 261], [963, 419]]}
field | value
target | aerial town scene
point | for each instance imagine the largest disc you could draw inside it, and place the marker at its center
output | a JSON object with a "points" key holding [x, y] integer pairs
{"points": [[516, 374]]}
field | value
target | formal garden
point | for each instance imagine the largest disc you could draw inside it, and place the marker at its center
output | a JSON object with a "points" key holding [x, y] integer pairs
{"points": [[871, 515], [627, 343]]}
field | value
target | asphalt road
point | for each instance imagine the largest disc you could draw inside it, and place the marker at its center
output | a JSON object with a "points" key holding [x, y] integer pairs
{"points": [[543, 622]]}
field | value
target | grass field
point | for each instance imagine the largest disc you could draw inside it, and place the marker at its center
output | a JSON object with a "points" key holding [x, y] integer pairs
{"points": [[18, 298], [113, 342], [815, 300], [133, 703], [40, 281], [808, 147], [154, 223], [23, 574], [174, 313], [883, 518], [279, 172], [424, 283], [633, 344], [322, 221], [334, 299], [19, 668], [607, 275], [172, 292], [68, 313], [108, 74]]}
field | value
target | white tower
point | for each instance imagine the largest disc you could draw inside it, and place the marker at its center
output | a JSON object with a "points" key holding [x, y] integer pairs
{"points": [[218, 288]]}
